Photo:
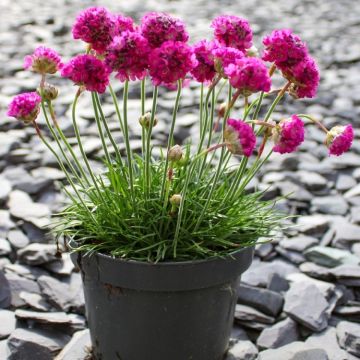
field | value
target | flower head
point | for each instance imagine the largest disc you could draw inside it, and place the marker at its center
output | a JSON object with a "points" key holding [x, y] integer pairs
{"points": [[284, 48], [123, 23], [88, 71], [249, 75], [48, 92], [288, 135], [339, 139], [159, 27], [232, 31], [25, 107], [305, 77], [172, 61], [224, 56], [44, 61], [205, 68], [239, 137], [96, 26], [128, 55]]}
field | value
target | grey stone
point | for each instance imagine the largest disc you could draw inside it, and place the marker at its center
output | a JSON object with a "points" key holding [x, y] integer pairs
{"points": [[348, 334], [355, 191], [247, 313], [334, 204], [63, 266], [345, 182], [263, 250], [312, 180], [351, 313], [277, 283], [347, 274], [313, 224], [18, 239], [37, 254], [29, 272], [355, 215], [5, 222], [5, 247], [293, 256], [294, 351], [4, 350], [7, 323], [346, 234], [294, 192], [307, 305], [243, 350], [5, 291], [316, 271], [267, 301], [298, 243], [5, 189], [280, 334], [78, 348], [34, 301], [238, 333]]}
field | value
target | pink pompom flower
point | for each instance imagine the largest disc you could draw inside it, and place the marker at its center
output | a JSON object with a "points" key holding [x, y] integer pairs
{"points": [[128, 55], [96, 26], [339, 139], [87, 71], [249, 75], [172, 61], [204, 71], [239, 137], [123, 23], [224, 56], [284, 48], [288, 135], [232, 31], [158, 27], [43, 61], [25, 107]]}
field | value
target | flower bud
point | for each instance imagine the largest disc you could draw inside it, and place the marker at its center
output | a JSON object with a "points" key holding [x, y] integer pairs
{"points": [[222, 109], [252, 52], [339, 139], [175, 153], [49, 92], [175, 200], [145, 120]]}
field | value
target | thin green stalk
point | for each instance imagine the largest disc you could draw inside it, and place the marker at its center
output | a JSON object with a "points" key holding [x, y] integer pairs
{"points": [[113, 95], [201, 108], [143, 98]]}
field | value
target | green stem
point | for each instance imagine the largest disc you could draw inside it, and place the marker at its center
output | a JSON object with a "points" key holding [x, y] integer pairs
{"points": [[143, 98], [113, 95], [317, 122]]}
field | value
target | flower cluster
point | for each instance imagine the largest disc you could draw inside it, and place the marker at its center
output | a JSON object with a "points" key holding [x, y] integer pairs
{"points": [[204, 70], [43, 61], [339, 139], [25, 107]]}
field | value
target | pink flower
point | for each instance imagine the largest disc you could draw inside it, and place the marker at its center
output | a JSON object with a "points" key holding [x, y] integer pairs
{"points": [[224, 56], [284, 48], [25, 107], [159, 27], [88, 71], [288, 135], [232, 31], [305, 77], [204, 71], [96, 26], [239, 137], [44, 61], [249, 75], [339, 139], [123, 23], [128, 55], [172, 61]]}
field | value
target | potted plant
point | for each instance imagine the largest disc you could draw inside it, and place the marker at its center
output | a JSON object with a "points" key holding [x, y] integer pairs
{"points": [[162, 240]]}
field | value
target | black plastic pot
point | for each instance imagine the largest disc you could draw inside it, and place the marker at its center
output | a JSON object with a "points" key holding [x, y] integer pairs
{"points": [[165, 311]]}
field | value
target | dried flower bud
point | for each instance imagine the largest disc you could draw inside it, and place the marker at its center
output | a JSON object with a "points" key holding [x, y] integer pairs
{"points": [[175, 153], [175, 200], [49, 92], [145, 120], [222, 109], [252, 52]]}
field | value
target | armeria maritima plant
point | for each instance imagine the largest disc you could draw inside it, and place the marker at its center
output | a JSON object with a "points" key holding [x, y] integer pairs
{"points": [[188, 203]]}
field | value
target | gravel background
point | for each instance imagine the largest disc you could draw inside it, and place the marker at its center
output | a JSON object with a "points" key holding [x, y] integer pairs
{"points": [[300, 298]]}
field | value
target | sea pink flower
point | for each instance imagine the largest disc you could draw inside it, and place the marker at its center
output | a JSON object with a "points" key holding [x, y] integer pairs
{"points": [[224, 56], [249, 75], [88, 71], [232, 31], [25, 107], [204, 71], [123, 23], [44, 61], [239, 137], [96, 26], [159, 27], [288, 135], [284, 48], [128, 55], [339, 139], [305, 77], [172, 61]]}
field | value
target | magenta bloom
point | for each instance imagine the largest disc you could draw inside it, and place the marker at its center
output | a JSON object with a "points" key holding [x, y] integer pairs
{"points": [[25, 107], [249, 75], [224, 56], [232, 31], [239, 137], [96, 26], [204, 71], [44, 61], [284, 48], [339, 139], [88, 71], [172, 61], [123, 23], [305, 77], [128, 55], [288, 135], [159, 27]]}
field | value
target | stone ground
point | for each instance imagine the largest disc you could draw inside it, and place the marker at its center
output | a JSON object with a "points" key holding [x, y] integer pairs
{"points": [[301, 297]]}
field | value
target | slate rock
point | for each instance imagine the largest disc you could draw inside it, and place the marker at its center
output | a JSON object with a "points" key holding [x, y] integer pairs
{"points": [[346, 235], [307, 305], [267, 301], [7, 323], [247, 313], [18, 239], [5, 247], [351, 313], [4, 350], [345, 182], [314, 225], [316, 271], [347, 274], [335, 205], [5, 291], [34, 301], [238, 333], [63, 266], [277, 283], [298, 243], [293, 256], [78, 348], [243, 350], [37, 254], [348, 334], [5, 189]]}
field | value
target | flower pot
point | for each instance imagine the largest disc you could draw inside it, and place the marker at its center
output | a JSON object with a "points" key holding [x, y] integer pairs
{"points": [[165, 311]]}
